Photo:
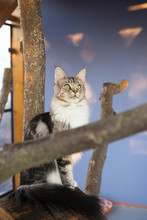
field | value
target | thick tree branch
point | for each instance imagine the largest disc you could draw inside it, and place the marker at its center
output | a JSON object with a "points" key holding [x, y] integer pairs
{"points": [[6, 89], [34, 58], [19, 156], [97, 160]]}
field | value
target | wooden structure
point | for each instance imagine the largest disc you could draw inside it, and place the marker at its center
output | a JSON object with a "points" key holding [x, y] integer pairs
{"points": [[18, 84], [9, 11], [6, 9]]}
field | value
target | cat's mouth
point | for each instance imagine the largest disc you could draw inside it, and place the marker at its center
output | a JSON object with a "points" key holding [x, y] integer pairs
{"points": [[73, 99], [74, 96]]}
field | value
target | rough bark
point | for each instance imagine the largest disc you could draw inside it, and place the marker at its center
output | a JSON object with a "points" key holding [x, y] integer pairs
{"points": [[6, 89], [97, 160], [19, 156], [34, 58]]}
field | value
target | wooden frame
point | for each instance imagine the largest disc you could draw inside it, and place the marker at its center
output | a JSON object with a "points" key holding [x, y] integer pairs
{"points": [[18, 86]]}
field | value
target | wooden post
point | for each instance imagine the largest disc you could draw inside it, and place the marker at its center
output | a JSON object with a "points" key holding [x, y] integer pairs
{"points": [[97, 160], [18, 86], [34, 58]]}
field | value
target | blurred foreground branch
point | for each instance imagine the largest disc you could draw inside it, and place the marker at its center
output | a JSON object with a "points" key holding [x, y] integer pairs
{"points": [[20, 156]]}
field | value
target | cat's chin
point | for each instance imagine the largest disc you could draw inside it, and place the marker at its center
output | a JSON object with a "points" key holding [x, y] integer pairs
{"points": [[73, 100]]}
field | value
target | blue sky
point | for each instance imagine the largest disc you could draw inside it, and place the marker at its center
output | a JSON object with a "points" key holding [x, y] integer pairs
{"points": [[5, 125], [110, 39]]}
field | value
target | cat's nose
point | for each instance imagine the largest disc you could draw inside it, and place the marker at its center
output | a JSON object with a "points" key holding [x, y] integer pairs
{"points": [[74, 90]]}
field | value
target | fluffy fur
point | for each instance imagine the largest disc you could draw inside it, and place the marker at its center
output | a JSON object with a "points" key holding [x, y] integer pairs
{"points": [[69, 109], [52, 197]]}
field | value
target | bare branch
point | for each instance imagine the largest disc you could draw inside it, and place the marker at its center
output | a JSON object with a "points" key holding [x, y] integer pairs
{"points": [[6, 89], [19, 156], [97, 160]]}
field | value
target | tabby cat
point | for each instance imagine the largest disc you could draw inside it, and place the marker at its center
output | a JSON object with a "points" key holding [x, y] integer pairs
{"points": [[53, 183], [69, 109]]}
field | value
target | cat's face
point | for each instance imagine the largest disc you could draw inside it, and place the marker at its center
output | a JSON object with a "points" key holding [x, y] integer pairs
{"points": [[69, 89]]}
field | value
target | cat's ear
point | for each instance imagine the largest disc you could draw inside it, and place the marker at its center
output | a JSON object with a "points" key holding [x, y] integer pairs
{"points": [[81, 75], [59, 74]]}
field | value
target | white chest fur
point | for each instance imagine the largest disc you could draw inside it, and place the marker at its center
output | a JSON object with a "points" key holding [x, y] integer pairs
{"points": [[75, 114]]}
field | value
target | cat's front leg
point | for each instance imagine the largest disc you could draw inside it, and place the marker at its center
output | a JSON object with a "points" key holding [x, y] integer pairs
{"points": [[65, 168]]}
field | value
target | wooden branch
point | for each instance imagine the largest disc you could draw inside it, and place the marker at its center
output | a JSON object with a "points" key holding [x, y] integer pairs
{"points": [[34, 58], [6, 89], [19, 156], [97, 160]]}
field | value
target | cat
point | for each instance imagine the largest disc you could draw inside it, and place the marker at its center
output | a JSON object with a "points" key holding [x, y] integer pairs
{"points": [[69, 109]]}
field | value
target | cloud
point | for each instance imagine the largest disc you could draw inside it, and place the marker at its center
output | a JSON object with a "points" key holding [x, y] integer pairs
{"points": [[138, 87], [47, 44], [138, 146], [144, 132], [87, 55], [137, 7], [91, 97], [75, 38], [129, 34]]}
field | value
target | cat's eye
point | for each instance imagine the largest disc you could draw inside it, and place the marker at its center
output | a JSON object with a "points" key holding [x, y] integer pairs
{"points": [[78, 86], [67, 86]]}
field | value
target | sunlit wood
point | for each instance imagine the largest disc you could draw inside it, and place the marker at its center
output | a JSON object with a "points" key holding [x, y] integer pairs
{"points": [[18, 90]]}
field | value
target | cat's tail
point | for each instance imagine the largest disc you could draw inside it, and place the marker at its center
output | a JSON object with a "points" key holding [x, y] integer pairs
{"points": [[60, 197]]}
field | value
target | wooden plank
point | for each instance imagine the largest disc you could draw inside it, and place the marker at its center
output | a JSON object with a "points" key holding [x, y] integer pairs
{"points": [[18, 88], [6, 9]]}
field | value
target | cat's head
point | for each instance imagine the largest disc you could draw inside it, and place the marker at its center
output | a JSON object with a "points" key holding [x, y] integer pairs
{"points": [[69, 89]]}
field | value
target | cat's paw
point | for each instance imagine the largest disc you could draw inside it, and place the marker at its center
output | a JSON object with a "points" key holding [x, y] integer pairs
{"points": [[75, 183]]}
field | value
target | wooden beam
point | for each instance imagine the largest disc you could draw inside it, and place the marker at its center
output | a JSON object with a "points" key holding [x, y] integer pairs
{"points": [[18, 88], [34, 58], [6, 9]]}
